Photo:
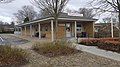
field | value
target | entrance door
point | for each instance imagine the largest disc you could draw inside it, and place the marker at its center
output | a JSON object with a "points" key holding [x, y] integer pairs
{"points": [[68, 30]]}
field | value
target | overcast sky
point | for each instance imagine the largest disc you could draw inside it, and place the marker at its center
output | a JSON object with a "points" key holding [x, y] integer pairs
{"points": [[7, 10]]}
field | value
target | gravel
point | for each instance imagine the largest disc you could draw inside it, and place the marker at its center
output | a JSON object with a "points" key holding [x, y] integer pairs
{"points": [[82, 59]]}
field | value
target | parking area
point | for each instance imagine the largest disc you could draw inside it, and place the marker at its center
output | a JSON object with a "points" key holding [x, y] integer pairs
{"points": [[11, 40]]}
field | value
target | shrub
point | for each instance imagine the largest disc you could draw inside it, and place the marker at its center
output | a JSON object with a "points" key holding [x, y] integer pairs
{"points": [[54, 49], [112, 44], [96, 41], [109, 39], [90, 42], [12, 56]]}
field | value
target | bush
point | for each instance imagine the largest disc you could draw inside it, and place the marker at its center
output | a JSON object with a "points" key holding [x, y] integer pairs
{"points": [[109, 39], [12, 56], [90, 42], [54, 49], [112, 44], [96, 41]]}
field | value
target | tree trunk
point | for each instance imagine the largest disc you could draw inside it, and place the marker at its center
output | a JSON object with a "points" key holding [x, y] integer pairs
{"points": [[56, 29], [56, 19]]}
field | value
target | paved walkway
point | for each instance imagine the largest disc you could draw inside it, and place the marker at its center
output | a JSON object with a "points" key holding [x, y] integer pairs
{"points": [[99, 52]]}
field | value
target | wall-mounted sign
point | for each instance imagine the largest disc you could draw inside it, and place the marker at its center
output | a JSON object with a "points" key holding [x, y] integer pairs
{"points": [[61, 24]]}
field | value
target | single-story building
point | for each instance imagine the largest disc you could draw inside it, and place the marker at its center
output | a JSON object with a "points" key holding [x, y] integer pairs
{"points": [[68, 27]]}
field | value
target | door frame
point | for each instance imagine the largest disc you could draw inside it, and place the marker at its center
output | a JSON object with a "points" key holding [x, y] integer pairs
{"points": [[66, 30]]}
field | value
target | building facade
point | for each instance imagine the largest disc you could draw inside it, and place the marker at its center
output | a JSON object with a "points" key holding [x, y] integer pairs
{"points": [[67, 27]]}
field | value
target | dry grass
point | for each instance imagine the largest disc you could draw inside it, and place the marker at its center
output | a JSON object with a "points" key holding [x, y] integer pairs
{"points": [[58, 48], [12, 56]]}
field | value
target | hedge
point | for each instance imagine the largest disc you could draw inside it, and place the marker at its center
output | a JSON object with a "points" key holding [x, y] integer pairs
{"points": [[112, 44]]}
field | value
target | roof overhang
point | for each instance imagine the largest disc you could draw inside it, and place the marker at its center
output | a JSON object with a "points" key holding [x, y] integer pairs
{"points": [[51, 18], [92, 20], [36, 21]]}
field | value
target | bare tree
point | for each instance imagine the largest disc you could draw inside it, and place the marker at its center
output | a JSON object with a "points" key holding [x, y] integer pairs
{"points": [[2, 23], [52, 7], [26, 12], [19, 16], [107, 6], [69, 10], [72, 12], [42, 14], [107, 20], [87, 12]]}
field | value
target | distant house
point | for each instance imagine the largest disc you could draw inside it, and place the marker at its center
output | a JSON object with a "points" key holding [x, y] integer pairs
{"points": [[104, 30], [7, 28], [68, 27]]}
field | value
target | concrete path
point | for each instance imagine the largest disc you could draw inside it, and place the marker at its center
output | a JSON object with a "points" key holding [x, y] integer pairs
{"points": [[99, 52]]}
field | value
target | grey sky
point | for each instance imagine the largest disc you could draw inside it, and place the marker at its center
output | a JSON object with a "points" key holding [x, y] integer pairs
{"points": [[7, 10]]}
